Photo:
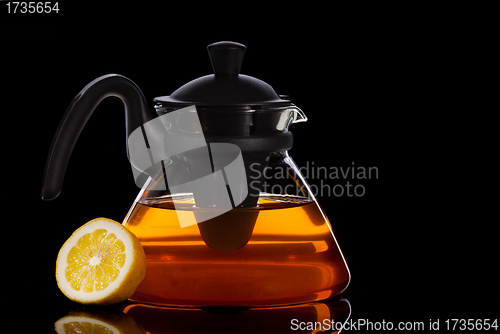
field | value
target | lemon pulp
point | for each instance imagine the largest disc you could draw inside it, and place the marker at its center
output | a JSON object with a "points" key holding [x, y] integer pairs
{"points": [[95, 261]]}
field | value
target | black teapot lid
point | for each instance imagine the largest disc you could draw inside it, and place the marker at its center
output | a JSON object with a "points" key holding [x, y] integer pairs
{"points": [[226, 87]]}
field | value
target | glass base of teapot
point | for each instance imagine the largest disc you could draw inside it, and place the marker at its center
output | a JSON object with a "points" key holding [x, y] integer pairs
{"points": [[292, 256]]}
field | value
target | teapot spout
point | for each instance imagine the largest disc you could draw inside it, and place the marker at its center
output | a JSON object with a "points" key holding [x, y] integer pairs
{"points": [[298, 114], [79, 111]]}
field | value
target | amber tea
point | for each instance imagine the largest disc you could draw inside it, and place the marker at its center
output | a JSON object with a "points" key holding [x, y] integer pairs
{"points": [[291, 257]]}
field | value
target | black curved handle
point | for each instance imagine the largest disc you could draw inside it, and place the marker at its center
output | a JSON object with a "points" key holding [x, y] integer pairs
{"points": [[79, 111]]}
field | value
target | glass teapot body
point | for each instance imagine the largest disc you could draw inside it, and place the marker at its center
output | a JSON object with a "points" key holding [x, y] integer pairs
{"points": [[280, 249]]}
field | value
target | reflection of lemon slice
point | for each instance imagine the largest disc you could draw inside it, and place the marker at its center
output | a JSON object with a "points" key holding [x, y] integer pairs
{"points": [[100, 322], [101, 263]]}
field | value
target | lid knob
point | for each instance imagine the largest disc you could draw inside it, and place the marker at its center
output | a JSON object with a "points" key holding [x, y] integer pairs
{"points": [[226, 57]]}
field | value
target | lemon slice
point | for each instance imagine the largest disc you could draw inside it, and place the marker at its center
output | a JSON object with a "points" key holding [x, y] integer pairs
{"points": [[101, 263]]}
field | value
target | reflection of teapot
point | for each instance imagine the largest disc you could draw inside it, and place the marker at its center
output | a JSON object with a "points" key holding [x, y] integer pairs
{"points": [[328, 316], [224, 215]]}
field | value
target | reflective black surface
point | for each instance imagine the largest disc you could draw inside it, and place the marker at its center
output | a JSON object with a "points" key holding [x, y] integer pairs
{"points": [[137, 318]]}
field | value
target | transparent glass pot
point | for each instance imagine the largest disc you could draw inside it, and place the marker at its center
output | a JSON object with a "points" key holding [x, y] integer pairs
{"points": [[224, 215], [280, 250]]}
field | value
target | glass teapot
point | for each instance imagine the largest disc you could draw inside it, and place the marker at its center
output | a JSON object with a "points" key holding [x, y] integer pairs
{"points": [[224, 215]]}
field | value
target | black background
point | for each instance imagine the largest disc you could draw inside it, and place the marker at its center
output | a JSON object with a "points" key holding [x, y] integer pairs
{"points": [[379, 86]]}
